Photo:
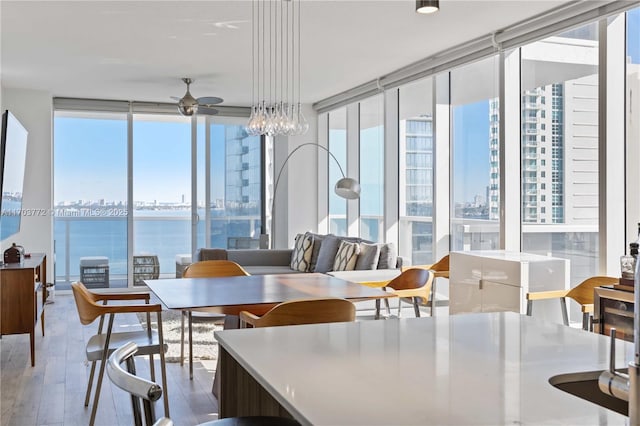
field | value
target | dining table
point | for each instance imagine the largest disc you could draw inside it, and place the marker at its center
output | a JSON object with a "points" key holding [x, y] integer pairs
{"points": [[254, 293]]}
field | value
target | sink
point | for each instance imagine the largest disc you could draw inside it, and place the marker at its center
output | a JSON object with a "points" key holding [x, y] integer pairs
{"points": [[584, 385]]}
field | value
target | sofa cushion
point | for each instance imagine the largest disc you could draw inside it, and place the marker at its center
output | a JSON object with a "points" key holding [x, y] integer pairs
{"points": [[211, 254], [388, 256], [301, 255], [270, 270], [254, 257], [368, 257], [327, 253], [346, 256]]}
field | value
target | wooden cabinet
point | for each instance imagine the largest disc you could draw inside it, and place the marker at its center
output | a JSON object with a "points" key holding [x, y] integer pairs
{"points": [[498, 280], [22, 296]]}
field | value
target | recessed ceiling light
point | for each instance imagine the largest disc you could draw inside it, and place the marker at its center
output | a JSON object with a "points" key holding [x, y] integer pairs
{"points": [[427, 6]]}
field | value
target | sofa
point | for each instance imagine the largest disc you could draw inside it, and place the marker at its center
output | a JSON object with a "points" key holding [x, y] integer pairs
{"points": [[312, 253]]}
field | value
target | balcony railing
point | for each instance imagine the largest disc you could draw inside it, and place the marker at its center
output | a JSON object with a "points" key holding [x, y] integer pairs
{"points": [[162, 236]]}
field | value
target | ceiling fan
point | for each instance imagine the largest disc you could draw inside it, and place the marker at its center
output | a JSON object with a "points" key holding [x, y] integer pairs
{"points": [[188, 105]]}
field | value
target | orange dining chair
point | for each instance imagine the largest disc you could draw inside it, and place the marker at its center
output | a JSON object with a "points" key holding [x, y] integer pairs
{"points": [[440, 269], [582, 294], [302, 311], [205, 269], [412, 283], [102, 344]]}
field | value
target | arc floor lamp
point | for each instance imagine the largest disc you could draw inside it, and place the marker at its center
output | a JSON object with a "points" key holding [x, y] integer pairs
{"points": [[345, 187]]}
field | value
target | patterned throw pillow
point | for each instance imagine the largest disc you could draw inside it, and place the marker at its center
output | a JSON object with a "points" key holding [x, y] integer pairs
{"points": [[301, 255], [346, 256]]}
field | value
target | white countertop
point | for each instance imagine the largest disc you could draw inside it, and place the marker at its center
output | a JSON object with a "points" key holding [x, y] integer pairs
{"points": [[490, 368]]}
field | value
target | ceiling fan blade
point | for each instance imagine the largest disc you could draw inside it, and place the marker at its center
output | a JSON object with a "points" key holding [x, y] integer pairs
{"points": [[175, 98], [206, 110], [209, 100]]}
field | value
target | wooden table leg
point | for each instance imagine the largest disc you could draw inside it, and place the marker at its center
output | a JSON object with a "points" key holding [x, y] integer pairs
{"points": [[32, 338]]}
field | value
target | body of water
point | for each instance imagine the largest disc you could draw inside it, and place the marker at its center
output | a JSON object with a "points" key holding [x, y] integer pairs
{"points": [[155, 233]]}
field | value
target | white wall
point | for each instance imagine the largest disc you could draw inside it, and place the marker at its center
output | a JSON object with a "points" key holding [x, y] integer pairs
{"points": [[297, 199], [35, 111]]}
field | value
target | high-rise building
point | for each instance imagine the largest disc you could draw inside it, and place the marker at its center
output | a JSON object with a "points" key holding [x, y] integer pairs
{"points": [[416, 177], [242, 177], [559, 148]]}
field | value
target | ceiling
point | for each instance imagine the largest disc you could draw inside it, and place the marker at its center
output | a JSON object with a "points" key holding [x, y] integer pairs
{"points": [[139, 50]]}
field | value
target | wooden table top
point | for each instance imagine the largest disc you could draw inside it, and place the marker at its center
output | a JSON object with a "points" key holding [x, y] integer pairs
{"points": [[255, 293]]}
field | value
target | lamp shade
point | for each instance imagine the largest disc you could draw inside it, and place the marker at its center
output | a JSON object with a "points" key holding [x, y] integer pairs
{"points": [[348, 188], [427, 6]]}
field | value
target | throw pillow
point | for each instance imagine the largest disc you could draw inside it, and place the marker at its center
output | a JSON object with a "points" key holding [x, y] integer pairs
{"points": [[301, 255], [317, 243], [368, 257], [327, 253], [388, 256], [346, 256]]}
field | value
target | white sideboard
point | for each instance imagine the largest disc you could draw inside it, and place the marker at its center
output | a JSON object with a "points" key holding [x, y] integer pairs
{"points": [[498, 280]]}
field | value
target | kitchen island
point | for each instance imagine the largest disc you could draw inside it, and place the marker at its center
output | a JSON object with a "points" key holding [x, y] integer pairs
{"points": [[489, 368]]}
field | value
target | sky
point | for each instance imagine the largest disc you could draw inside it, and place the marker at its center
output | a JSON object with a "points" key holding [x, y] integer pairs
{"points": [[90, 160], [470, 151], [633, 40]]}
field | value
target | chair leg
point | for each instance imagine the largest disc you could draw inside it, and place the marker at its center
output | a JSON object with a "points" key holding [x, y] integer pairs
{"points": [[529, 307], [386, 303], [184, 313], [377, 316], [416, 309], [135, 403], [152, 368], [399, 306], [93, 363], [585, 321], [433, 298], [565, 316], [103, 364], [90, 384], [163, 367], [190, 345]]}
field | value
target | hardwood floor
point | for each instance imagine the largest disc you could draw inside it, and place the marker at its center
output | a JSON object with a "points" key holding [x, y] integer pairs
{"points": [[52, 392]]}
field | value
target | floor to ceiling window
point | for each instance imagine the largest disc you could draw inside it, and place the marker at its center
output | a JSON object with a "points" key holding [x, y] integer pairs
{"points": [[415, 129], [632, 109], [559, 148], [90, 197], [91, 181], [372, 168], [337, 147], [235, 185], [475, 221], [162, 188]]}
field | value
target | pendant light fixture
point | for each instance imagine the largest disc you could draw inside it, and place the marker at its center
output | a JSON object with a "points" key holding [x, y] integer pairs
{"points": [[427, 6], [275, 72]]}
